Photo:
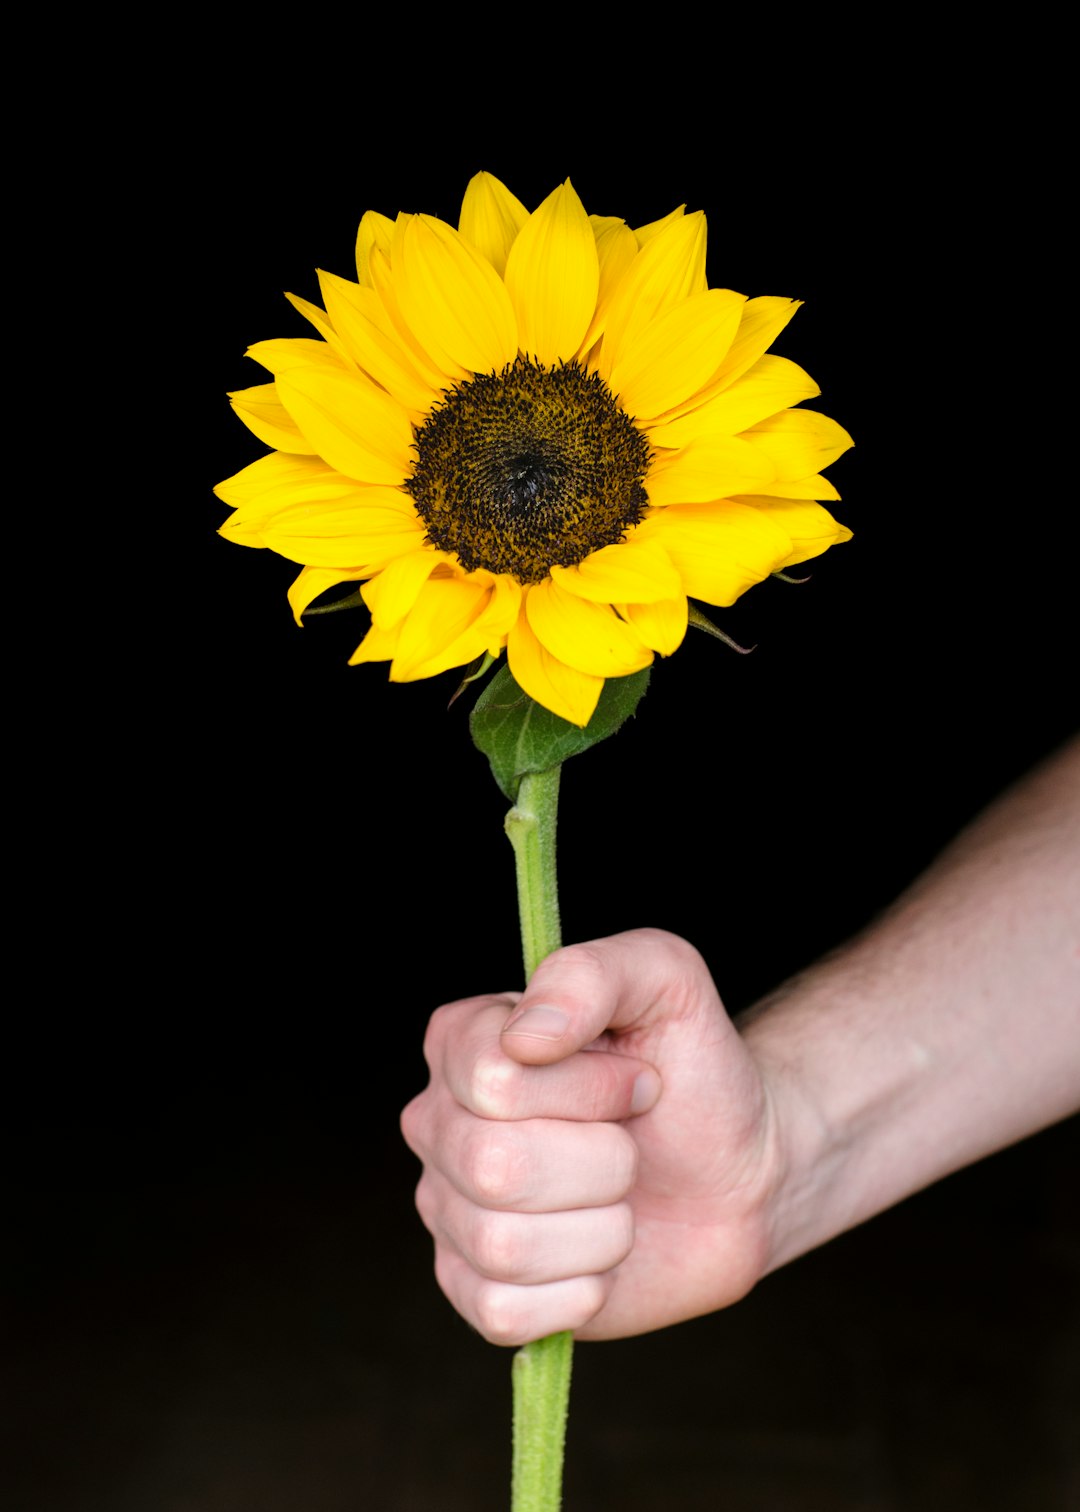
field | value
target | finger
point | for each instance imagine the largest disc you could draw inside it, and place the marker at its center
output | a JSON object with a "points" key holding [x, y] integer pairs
{"points": [[535, 1166], [464, 1051], [507, 1314], [625, 984], [525, 1248]]}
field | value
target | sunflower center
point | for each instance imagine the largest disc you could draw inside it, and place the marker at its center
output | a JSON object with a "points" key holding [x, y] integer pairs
{"points": [[528, 469]]}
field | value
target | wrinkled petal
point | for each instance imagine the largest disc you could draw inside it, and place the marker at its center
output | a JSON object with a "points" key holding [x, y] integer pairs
{"points": [[719, 549], [661, 625], [361, 321], [377, 645], [633, 571], [800, 442], [320, 319], [392, 594], [351, 423], [454, 302], [553, 275], [715, 467], [812, 529], [487, 631], [443, 628], [289, 352], [266, 417], [280, 479], [814, 487], [376, 233], [676, 353], [645, 233], [311, 583], [571, 694], [668, 270], [771, 385], [590, 637], [616, 248], [762, 321], [367, 532], [491, 218], [393, 324]]}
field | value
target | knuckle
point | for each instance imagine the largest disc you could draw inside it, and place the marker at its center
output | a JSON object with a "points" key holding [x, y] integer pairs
{"points": [[607, 1089], [413, 1121], [622, 1231], [624, 1158], [496, 1248], [501, 1314], [426, 1205], [495, 1084], [585, 961], [678, 950], [433, 1037], [590, 1294], [495, 1165], [447, 1270]]}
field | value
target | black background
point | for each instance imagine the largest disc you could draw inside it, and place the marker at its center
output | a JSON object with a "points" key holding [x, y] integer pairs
{"points": [[279, 865]]}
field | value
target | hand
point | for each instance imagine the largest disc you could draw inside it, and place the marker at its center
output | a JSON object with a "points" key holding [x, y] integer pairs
{"points": [[607, 1171]]}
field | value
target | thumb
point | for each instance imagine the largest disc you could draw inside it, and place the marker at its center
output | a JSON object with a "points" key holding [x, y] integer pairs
{"points": [[628, 982]]}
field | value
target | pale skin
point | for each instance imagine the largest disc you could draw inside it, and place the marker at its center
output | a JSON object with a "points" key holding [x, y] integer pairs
{"points": [[609, 1153]]}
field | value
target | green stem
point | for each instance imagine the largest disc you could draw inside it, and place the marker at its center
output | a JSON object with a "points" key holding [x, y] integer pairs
{"points": [[541, 1374], [531, 827]]}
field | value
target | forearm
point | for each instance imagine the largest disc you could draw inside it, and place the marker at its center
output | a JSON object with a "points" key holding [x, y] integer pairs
{"points": [[949, 1029]]}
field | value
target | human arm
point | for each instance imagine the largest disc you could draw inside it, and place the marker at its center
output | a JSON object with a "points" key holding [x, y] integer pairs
{"points": [[950, 1028]]}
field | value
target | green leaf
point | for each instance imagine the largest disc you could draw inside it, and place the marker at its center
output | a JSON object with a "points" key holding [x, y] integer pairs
{"points": [[702, 622], [350, 601], [518, 735]]}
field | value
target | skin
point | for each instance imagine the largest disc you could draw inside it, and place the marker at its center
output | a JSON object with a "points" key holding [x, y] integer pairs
{"points": [[610, 1153]]}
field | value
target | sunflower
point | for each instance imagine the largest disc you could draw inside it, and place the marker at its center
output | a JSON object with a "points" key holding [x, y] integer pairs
{"points": [[540, 432]]}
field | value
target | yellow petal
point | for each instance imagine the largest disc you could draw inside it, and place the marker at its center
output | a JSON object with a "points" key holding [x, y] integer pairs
{"points": [[469, 635], [570, 694], [642, 234], [312, 581], [661, 625], [772, 384], [392, 594], [356, 427], [281, 479], [491, 218], [376, 232], [266, 417], [719, 549], [676, 353], [368, 531], [669, 269], [454, 302], [360, 318], [638, 572], [320, 319], [715, 467], [553, 275], [393, 325], [814, 487], [377, 645], [443, 628], [762, 321], [288, 352], [800, 442], [319, 506], [502, 611], [811, 528], [590, 637], [616, 248]]}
